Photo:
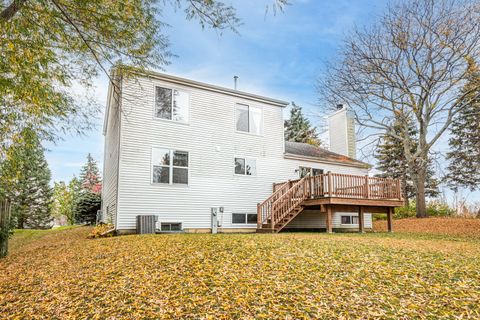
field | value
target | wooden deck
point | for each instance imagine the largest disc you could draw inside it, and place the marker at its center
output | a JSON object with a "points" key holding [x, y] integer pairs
{"points": [[332, 192]]}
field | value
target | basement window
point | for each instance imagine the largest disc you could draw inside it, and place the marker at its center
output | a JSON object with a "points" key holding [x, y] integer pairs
{"points": [[244, 218], [349, 219], [170, 226]]}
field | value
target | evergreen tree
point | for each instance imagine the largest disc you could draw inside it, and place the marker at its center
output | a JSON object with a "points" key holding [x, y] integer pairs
{"points": [[88, 198], [299, 129], [464, 142], [86, 207], [393, 164], [26, 177], [90, 175]]}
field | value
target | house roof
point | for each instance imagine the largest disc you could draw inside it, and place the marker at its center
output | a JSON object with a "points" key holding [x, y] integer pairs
{"points": [[309, 152], [211, 87]]}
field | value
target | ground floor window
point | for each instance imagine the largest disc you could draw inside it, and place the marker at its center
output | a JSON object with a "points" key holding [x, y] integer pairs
{"points": [[349, 219], [246, 166], [169, 166], [244, 218], [308, 171], [171, 226]]}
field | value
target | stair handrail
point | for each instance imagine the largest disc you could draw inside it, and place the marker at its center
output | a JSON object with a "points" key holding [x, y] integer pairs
{"points": [[290, 200], [264, 209]]}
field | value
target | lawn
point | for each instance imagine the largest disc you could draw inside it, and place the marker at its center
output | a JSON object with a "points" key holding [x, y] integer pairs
{"points": [[62, 274]]}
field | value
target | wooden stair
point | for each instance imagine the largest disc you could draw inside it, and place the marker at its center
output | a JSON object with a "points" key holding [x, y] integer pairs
{"points": [[282, 206], [267, 227]]}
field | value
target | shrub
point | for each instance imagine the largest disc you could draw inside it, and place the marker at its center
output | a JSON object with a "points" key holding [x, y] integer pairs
{"points": [[87, 205], [435, 208]]}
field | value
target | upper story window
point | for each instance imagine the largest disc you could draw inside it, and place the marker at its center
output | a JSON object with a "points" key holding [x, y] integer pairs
{"points": [[169, 166], [248, 119], [171, 104]]}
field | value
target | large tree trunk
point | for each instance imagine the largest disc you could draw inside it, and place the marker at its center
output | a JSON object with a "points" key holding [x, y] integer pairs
{"points": [[421, 206]]}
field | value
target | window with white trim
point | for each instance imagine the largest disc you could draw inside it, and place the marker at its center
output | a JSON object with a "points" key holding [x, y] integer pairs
{"points": [[170, 226], [244, 218], [246, 166], [349, 219], [169, 166], [171, 104], [248, 119]]}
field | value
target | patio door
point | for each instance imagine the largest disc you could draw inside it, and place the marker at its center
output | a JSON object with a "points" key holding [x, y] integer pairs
{"points": [[317, 185]]}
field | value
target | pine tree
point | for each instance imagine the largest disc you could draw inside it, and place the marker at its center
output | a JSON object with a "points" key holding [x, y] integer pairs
{"points": [[299, 129], [464, 142], [90, 175], [26, 177], [86, 207], [393, 164], [88, 198]]}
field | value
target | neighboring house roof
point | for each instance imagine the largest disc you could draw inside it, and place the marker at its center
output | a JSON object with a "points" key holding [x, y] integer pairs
{"points": [[306, 151]]}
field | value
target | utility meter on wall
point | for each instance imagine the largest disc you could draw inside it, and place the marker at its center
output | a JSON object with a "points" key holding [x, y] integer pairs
{"points": [[214, 219]]}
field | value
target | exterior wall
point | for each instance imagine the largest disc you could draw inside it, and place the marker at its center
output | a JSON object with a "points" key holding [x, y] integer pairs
{"points": [[111, 158], [212, 143], [311, 219]]}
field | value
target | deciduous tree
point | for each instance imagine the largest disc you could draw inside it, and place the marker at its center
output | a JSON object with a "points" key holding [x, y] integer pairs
{"points": [[51, 47], [391, 161], [412, 63]]}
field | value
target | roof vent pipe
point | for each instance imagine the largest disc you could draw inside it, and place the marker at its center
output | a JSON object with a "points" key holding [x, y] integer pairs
{"points": [[235, 79], [339, 106]]}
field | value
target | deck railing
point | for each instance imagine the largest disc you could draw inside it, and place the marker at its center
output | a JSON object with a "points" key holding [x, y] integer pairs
{"points": [[289, 194]]}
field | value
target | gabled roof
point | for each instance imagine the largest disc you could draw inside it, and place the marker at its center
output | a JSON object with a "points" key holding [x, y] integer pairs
{"points": [[312, 153], [213, 88]]}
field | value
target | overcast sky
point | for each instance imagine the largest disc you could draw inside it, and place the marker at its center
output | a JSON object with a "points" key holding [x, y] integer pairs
{"points": [[278, 56]]}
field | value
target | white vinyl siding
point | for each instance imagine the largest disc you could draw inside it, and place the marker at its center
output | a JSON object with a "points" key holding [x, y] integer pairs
{"points": [[111, 157], [213, 143]]}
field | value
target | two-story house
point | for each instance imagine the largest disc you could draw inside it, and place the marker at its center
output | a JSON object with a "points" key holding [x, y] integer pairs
{"points": [[201, 157]]}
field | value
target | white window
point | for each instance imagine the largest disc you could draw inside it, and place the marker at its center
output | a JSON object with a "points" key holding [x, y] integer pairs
{"points": [[248, 119], [169, 166], [304, 171], [244, 218], [171, 104], [349, 219], [246, 166], [170, 226]]}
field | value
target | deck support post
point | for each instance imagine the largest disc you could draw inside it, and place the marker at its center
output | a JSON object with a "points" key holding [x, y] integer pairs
{"points": [[361, 220], [329, 219], [259, 216], [390, 219]]}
